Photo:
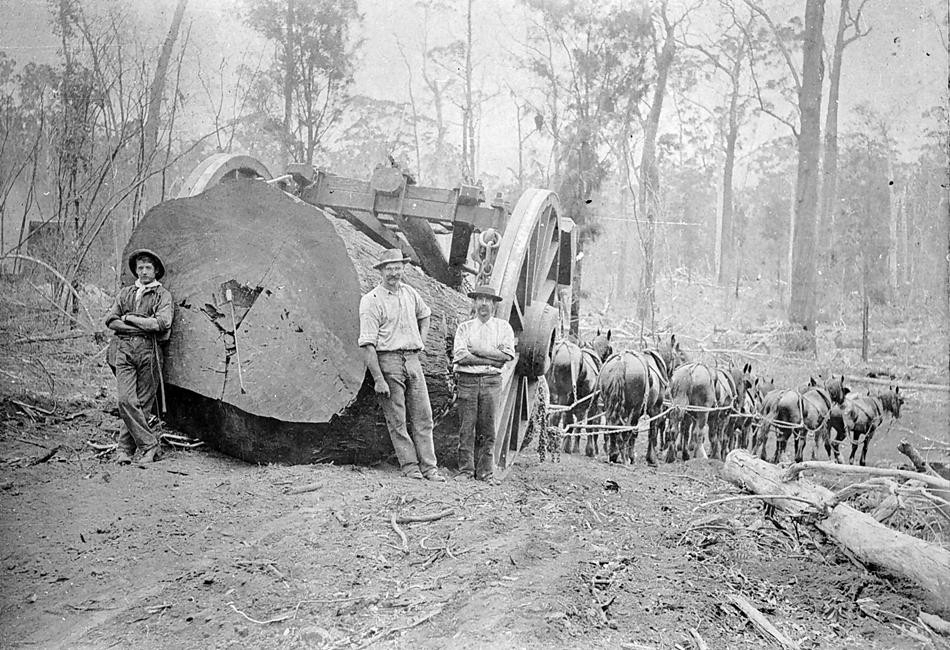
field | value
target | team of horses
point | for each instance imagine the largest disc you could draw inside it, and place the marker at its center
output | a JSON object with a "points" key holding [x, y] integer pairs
{"points": [[683, 406]]}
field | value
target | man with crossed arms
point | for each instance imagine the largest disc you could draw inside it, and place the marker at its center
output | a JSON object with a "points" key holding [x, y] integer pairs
{"points": [[483, 345]]}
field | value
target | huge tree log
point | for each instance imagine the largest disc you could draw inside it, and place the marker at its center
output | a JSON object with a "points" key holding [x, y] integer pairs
{"points": [[295, 275], [926, 564]]}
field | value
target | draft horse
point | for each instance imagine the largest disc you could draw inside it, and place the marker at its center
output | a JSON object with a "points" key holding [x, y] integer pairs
{"points": [[631, 386], [862, 415], [693, 397], [572, 379]]}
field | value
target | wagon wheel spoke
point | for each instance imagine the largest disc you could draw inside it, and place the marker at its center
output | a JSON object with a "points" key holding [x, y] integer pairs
{"points": [[526, 275]]}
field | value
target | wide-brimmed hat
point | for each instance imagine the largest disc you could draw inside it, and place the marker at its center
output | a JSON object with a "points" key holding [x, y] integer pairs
{"points": [[159, 265], [484, 290], [389, 256]]}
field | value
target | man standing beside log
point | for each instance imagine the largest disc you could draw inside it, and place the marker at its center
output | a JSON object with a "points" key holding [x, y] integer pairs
{"points": [[394, 323], [483, 345], [142, 320]]}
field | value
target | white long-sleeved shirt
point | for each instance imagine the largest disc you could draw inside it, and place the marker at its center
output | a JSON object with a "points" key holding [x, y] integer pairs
{"points": [[494, 334]]}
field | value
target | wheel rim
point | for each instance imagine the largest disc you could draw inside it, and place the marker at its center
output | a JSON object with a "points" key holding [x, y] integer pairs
{"points": [[527, 270], [219, 168]]}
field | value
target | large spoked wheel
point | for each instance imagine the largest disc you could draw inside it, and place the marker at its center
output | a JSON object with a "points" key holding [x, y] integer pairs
{"points": [[533, 271], [220, 168]]}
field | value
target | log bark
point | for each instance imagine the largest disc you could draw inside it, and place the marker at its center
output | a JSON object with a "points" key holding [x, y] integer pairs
{"points": [[297, 274], [925, 564]]}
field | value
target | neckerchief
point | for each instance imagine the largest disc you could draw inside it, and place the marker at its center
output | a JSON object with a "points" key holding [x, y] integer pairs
{"points": [[140, 290]]}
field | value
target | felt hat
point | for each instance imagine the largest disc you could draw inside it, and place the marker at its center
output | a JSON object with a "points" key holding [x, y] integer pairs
{"points": [[484, 290], [390, 256], [159, 265]]}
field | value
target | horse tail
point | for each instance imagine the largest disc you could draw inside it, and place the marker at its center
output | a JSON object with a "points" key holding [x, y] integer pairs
{"points": [[611, 382]]}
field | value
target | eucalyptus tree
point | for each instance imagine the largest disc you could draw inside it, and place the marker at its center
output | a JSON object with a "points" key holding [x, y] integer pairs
{"points": [[590, 59], [806, 126], [311, 72]]}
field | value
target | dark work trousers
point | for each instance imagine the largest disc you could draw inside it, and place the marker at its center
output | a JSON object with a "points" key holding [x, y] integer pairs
{"points": [[408, 395], [137, 376], [478, 402]]}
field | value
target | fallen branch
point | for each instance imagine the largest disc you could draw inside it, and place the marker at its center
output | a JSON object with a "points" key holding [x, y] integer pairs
{"points": [[935, 623], [748, 497], [924, 563], [761, 623], [822, 465], [919, 463], [45, 457], [408, 519], [66, 283], [400, 628], [276, 619], [698, 640], [101, 447], [74, 334], [402, 535], [311, 487], [31, 407], [891, 382], [158, 608]]}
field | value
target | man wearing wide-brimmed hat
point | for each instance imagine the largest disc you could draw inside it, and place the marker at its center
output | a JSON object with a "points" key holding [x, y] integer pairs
{"points": [[141, 319], [394, 324], [483, 345]]}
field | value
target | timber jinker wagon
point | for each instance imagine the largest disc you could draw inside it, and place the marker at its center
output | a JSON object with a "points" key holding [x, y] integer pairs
{"points": [[267, 275]]}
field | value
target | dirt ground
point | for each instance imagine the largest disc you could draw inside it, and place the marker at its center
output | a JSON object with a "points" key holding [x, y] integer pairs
{"points": [[203, 551]]}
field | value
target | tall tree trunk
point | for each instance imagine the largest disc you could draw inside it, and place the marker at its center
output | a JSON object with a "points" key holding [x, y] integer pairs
{"points": [[726, 234], [290, 80], [829, 168], [802, 303], [468, 113], [893, 217], [618, 295], [650, 175], [153, 116]]}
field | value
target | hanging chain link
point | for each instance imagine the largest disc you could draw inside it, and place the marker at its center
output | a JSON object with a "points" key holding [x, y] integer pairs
{"points": [[486, 245]]}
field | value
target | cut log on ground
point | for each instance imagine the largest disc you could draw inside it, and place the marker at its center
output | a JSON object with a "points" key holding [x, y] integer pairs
{"points": [[926, 564], [295, 275]]}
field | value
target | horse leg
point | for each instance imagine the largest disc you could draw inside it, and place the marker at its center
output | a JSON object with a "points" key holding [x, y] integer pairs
{"points": [[651, 444], [781, 441], [702, 434], [669, 438], [712, 426], [864, 448], [612, 441], [685, 437], [630, 448], [800, 442], [855, 441], [826, 438], [570, 440]]}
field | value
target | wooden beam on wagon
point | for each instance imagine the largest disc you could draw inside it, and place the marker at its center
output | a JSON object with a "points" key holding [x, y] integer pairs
{"points": [[433, 204], [377, 231]]}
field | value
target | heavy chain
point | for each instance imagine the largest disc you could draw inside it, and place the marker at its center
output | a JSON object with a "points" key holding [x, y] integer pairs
{"points": [[486, 245], [549, 437]]}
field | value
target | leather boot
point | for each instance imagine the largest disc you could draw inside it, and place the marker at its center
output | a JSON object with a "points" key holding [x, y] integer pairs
{"points": [[150, 455]]}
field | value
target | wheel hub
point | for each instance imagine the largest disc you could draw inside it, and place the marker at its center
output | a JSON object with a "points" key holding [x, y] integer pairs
{"points": [[537, 339]]}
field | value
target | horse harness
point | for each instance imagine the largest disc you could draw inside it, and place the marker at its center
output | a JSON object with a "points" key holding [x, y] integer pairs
{"points": [[646, 371], [874, 419]]}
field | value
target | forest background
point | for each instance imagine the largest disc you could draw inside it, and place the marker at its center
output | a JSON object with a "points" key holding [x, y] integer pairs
{"points": [[800, 147]]}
